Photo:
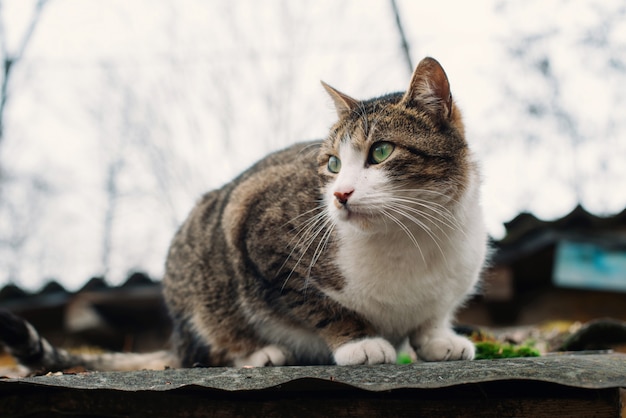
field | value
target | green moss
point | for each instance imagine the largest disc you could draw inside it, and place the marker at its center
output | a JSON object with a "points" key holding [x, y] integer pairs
{"points": [[489, 348], [404, 358], [493, 349]]}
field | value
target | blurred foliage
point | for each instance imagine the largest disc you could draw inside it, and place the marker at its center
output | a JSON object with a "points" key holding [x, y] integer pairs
{"points": [[488, 347], [494, 349]]}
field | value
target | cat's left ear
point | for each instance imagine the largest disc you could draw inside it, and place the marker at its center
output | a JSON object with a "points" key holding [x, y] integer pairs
{"points": [[344, 104], [430, 89]]}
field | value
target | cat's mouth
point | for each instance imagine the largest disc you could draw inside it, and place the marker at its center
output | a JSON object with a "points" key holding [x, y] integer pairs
{"points": [[353, 213]]}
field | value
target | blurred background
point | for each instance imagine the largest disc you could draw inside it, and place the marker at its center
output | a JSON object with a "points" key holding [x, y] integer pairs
{"points": [[115, 115]]}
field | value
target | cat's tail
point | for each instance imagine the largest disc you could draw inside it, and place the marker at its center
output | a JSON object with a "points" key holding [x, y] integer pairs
{"points": [[30, 349]]}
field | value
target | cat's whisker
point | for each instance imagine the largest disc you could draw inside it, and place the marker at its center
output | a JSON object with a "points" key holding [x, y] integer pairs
{"points": [[363, 115], [306, 232], [407, 231], [400, 211], [413, 192], [306, 213], [307, 225], [319, 250], [428, 219], [311, 149], [422, 226], [321, 246], [434, 192], [447, 216], [439, 218], [301, 233], [307, 237], [434, 213]]}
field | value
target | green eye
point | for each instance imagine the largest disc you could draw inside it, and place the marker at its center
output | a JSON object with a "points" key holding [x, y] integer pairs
{"points": [[380, 152], [334, 164]]}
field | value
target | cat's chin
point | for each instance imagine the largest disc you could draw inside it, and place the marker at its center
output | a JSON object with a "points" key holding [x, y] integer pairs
{"points": [[358, 221]]}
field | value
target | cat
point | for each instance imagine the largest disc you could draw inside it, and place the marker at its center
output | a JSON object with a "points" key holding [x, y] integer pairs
{"points": [[338, 251]]}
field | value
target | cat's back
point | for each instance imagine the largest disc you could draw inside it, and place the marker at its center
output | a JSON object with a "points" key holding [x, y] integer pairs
{"points": [[296, 163], [268, 195]]}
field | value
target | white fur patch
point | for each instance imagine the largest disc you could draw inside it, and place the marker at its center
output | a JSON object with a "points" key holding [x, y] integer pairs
{"points": [[303, 345], [366, 351], [443, 345], [270, 355]]}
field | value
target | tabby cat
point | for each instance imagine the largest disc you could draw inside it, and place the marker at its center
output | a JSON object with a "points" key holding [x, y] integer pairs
{"points": [[338, 251]]}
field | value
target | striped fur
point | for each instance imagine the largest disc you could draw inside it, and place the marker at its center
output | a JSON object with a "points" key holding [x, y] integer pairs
{"points": [[35, 352]]}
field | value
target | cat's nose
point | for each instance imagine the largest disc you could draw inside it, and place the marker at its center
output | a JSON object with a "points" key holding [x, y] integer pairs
{"points": [[342, 197]]}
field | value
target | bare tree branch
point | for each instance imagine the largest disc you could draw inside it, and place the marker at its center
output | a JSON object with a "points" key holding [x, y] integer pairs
{"points": [[405, 43], [9, 59]]}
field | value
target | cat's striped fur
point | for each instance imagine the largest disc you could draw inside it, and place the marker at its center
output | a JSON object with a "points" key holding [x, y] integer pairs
{"points": [[337, 251]]}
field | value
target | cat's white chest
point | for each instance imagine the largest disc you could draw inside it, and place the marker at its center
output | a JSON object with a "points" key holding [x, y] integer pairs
{"points": [[397, 286]]}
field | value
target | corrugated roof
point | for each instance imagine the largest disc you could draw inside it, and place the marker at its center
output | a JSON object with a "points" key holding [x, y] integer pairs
{"points": [[526, 233], [594, 371], [569, 385], [51, 294]]}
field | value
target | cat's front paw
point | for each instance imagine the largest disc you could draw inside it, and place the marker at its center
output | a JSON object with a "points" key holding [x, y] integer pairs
{"points": [[366, 351], [270, 355], [445, 346]]}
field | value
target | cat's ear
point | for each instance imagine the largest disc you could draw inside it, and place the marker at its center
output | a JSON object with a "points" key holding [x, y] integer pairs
{"points": [[344, 104], [430, 88]]}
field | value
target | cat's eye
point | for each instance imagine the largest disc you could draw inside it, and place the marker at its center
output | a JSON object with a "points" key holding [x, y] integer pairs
{"points": [[380, 152], [334, 164]]}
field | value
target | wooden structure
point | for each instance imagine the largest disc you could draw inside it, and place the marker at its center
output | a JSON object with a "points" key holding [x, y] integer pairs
{"points": [[572, 268]]}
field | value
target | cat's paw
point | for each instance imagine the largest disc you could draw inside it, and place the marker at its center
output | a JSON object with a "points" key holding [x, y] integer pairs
{"points": [[366, 351], [444, 347], [270, 355]]}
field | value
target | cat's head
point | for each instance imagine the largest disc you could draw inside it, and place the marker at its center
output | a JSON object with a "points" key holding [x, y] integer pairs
{"points": [[395, 157]]}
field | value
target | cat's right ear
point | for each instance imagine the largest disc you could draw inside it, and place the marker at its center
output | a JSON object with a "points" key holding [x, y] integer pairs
{"points": [[344, 104], [430, 89]]}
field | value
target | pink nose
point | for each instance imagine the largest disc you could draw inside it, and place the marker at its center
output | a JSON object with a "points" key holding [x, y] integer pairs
{"points": [[342, 197]]}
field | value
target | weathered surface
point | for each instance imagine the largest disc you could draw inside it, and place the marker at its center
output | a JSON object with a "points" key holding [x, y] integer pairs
{"points": [[583, 371], [544, 386]]}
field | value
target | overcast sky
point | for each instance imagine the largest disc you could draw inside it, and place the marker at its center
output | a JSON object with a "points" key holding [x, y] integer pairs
{"points": [[162, 100]]}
